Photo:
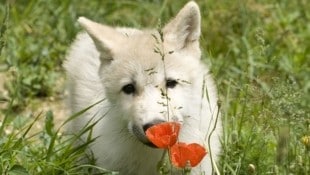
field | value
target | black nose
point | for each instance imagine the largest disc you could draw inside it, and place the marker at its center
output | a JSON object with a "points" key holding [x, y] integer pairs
{"points": [[148, 125]]}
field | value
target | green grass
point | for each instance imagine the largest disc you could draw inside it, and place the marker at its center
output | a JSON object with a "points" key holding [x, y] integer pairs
{"points": [[260, 57]]}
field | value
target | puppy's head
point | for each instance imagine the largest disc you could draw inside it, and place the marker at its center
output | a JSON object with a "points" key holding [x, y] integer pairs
{"points": [[149, 74]]}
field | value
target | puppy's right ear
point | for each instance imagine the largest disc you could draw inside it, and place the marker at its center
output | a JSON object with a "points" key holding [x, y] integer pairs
{"points": [[105, 38], [183, 31]]}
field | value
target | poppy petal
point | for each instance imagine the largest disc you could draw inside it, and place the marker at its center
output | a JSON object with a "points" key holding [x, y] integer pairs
{"points": [[197, 153], [181, 154], [163, 135]]}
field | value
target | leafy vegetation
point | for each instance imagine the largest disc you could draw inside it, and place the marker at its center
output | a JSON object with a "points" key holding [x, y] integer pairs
{"points": [[259, 52]]}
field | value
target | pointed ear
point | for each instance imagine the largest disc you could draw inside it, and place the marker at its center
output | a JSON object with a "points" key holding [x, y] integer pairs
{"points": [[105, 38], [184, 30]]}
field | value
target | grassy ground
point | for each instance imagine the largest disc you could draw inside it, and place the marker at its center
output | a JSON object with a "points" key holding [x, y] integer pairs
{"points": [[260, 57]]}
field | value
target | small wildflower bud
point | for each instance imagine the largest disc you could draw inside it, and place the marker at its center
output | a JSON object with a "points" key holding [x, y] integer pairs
{"points": [[251, 168], [163, 168], [187, 169], [306, 141], [219, 103]]}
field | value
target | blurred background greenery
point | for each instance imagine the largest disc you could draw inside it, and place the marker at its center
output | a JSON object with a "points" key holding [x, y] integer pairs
{"points": [[258, 50]]}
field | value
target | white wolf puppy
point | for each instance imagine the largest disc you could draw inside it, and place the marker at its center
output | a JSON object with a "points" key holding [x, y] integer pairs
{"points": [[146, 77]]}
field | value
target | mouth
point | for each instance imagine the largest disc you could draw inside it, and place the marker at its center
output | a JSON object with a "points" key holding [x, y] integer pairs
{"points": [[140, 135], [150, 144]]}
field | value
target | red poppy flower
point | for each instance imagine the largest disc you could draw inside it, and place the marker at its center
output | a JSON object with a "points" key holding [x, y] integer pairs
{"points": [[163, 135], [181, 154]]}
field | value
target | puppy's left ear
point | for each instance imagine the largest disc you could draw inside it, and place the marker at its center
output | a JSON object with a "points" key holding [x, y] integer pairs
{"points": [[183, 31], [106, 39]]}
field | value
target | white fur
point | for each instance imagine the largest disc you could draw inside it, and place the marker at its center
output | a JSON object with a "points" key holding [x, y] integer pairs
{"points": [[103, 60]]}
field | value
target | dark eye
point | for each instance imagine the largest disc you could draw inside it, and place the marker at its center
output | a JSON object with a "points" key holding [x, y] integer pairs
{"points": [[129, 89], [171, 83]]}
